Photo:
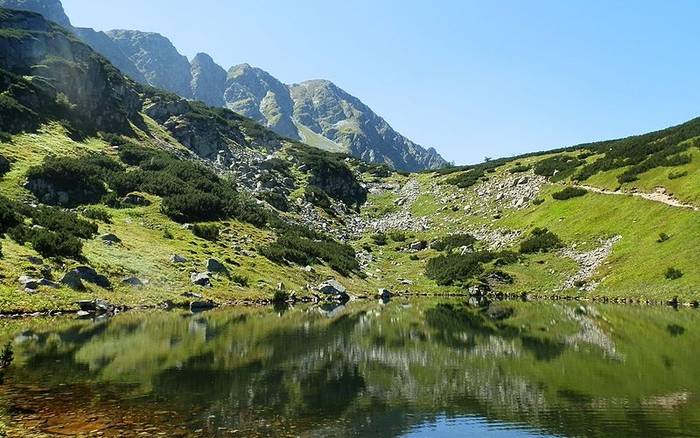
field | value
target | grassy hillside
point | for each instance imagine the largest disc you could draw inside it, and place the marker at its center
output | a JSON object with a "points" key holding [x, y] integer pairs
{"points": [[155, 189]]}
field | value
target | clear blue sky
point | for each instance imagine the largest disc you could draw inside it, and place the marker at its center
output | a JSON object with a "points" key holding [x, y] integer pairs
{"points": [[472, 79]]}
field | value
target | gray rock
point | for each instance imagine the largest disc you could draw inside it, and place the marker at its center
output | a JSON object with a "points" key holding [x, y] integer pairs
{"points": [[136, 200], [200, 279], [90, 275], [73, 280], [331, 287], [175, 259], [384, 294], [29, 283], [110, 239], [133, 282], [216, 266], [417, 246]]}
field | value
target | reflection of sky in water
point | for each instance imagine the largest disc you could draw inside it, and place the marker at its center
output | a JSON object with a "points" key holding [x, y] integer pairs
{"points": [[470, 426]]}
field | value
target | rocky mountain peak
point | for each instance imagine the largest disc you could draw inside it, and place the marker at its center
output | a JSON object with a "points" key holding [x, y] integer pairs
{"points": [[157, 58], [317, 111], [50, 9], [208, 80]]}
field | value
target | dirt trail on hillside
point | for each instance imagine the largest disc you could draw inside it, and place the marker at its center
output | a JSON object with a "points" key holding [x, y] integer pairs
{"points": [[659, 195]]}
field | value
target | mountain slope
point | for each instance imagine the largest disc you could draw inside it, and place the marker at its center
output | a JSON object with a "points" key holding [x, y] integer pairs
{"points": [[151, 59]]}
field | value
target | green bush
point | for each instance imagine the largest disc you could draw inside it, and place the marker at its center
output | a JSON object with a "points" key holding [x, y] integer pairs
{"points": [[63, 222], [308, 248], [537, 201], [453, 241], [276, 200], [240, 280], [568, 193], [561, 165], [673, 274], [330, 173], [98, 214], [82, 179], [398, 235], [379, 239], [467, 178], [676, 175], [540, 240], [451, 268], [206, 231], [8, 215], [316, 196], [4, 165], [52, 244], [519, 168]]}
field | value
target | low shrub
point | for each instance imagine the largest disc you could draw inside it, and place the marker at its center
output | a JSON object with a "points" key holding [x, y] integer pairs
{"points": [[379, 239], [4, 165], [98, 214], [8, 215], [540, 240], [451, 268], [63, 222], [206, 231], [537, 201], [81, 179], [276, 200], [453, 241], [310, 248], [568, 193], [663, 237], [673, 274], [467, 178], [46, 242], [676, 175], [280, 296], [519, 168], [398, 235], [240, 280], [559, 165]]}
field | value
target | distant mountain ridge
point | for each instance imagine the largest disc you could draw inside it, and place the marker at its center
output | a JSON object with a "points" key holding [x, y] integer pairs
{"points": [[317, 112]]}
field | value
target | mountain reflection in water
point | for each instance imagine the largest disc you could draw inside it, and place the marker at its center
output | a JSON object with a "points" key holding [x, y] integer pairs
{"points": [[416, 368]]}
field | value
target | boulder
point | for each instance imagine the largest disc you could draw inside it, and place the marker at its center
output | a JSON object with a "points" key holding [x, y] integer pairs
{"points": [[73, 280], [384, 294], [110, 239], [331, 287], [136, 200], [200, 279], [28, 283], [216, 266], [133, 282], [90, 275], [96, 306], [175, 259], [417, 246]]}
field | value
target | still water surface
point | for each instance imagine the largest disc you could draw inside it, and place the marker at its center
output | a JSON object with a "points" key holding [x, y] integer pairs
{"points": [[405, 368]]}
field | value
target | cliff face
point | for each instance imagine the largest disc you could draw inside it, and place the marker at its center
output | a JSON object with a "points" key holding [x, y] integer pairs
{"points": [[54, 65]]}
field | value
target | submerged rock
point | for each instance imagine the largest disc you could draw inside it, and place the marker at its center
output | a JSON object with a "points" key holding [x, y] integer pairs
{"points": [[199, 306]]}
